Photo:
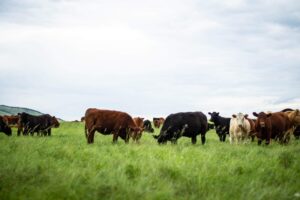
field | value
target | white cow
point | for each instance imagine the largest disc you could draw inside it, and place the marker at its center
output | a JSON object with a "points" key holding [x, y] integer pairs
{"points": [[239, 128]]}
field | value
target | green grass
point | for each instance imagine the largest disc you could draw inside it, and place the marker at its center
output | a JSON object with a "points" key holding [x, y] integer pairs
{"points": [[63, 166]]}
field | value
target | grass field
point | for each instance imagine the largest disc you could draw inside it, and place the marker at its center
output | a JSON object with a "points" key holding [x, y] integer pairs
{"points": [[63, 166]]}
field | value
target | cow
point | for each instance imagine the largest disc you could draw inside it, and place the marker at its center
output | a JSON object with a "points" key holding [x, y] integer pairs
{"points": [[158, 121], [272, 125], [148, 127], [39, 124], [82, 119], [109, 122], [188, 124], [12, 120], [240, 128], [4, 127], [222, 125], [139, 123]]}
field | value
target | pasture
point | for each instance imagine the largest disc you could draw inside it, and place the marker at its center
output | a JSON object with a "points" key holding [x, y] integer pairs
{"points": [[63, 166]]}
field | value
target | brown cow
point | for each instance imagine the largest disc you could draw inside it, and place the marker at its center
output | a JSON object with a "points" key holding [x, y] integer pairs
{"points": [[157, 121], [12, 120], [109, 122], [272, 125], [139, 123]]}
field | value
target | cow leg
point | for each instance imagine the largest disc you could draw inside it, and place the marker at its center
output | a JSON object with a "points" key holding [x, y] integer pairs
{"points": [[252, 138], [90, 138], [220, 137], [25, 131], [231, 138], [203, 138], [224, 137], [19, 130], [127, 135], [194, 139], [268, 138], [115, 136], [127, 138], [49, 132]]}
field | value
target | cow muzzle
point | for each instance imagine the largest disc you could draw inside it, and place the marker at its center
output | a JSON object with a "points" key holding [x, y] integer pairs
{"points": [[262, 124]]}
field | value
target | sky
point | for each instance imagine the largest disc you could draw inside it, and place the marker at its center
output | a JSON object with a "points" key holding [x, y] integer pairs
{"points": [[150, 58]]}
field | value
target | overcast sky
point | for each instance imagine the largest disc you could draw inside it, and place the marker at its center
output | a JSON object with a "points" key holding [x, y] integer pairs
{"points": [[150, 58]]}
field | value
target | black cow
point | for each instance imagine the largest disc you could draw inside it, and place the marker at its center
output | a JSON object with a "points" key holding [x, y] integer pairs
{"points": [[4, 127], [222, 125], [188, 124], [148, 126], [38, 124]]}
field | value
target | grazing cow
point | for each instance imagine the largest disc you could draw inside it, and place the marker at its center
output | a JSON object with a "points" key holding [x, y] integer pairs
{"points": [[240, 128], [38, 124], [272, 125], [4, 127], [139, 123], [109, 122], [148, 127], [222, 125], [157, 121], [188, 124]]}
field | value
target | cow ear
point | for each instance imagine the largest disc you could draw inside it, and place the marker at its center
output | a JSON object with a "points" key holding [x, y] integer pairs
{"points": [[209, 113], [217, 113], [234, 116], [246, 116], [255, 114], [269, 114]]}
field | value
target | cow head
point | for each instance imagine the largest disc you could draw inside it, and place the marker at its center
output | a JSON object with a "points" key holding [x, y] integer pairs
{"points": [[170, 134], [240, 118], [157, 121], [136, 133], [262, 119], [163, 137], [54, 122], [4, 127], [214, 116]]}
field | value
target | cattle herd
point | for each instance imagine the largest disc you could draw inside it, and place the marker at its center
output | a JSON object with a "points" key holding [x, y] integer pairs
{"points": [[278, 126]]}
